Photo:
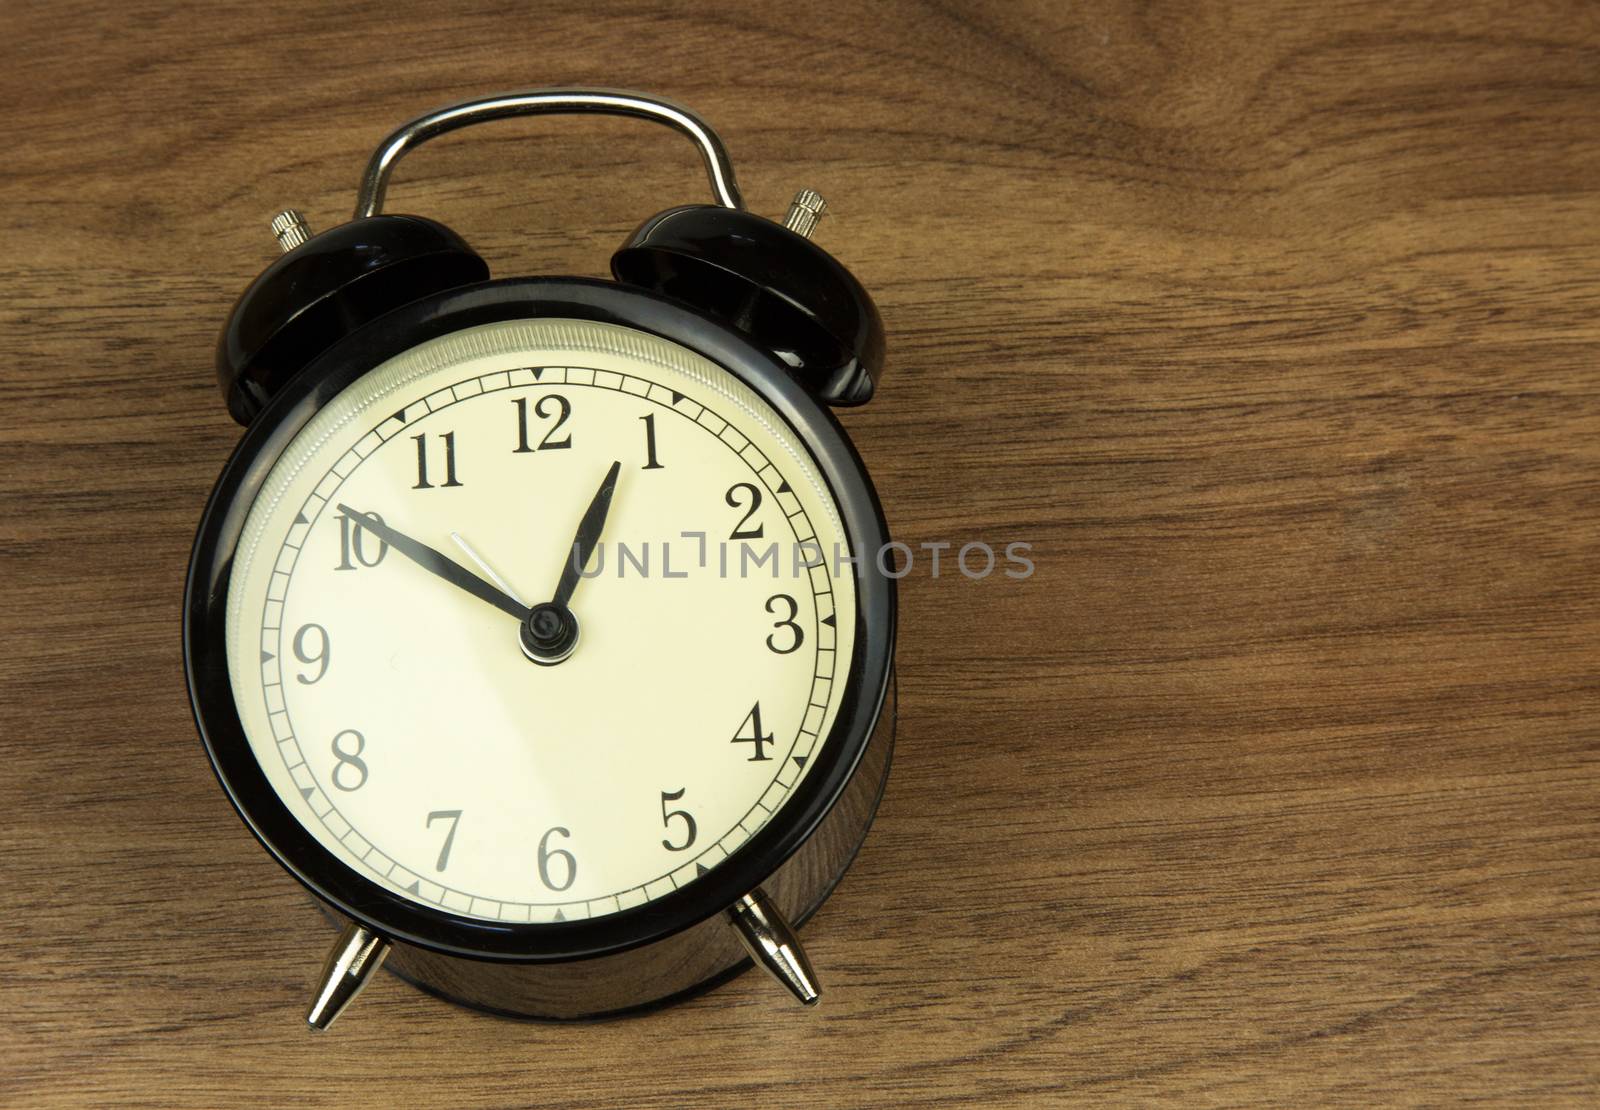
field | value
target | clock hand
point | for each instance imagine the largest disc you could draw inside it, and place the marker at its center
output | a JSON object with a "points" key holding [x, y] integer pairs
{"points": [[483, 565], [435, 563], [583, 544]]}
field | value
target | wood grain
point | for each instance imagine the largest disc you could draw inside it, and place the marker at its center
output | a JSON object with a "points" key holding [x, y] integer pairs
{"points": [[1273, 327]]}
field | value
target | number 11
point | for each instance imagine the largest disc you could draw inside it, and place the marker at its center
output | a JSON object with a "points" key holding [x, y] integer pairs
{"points": [[449, 461]]}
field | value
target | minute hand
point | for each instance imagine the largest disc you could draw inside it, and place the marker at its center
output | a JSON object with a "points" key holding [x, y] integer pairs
{"points": [[436, 563], [583, 544]]}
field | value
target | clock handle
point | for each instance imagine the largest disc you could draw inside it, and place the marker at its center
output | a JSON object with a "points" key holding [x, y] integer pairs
{"points": [[772, 944], [534, 102], [355, 956]]}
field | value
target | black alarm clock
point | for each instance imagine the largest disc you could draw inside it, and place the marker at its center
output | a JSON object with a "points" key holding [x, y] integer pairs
{"points": [[540, 626]]}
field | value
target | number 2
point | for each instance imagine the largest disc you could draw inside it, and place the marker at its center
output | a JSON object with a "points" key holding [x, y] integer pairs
{"points": [[740, 532]]}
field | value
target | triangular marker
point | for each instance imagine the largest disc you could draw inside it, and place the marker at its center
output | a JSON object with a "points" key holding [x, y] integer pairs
{"points": [[537, 370], [401, 416], [676, 396], [828, 620], [300, 518], [560, 916], [800, 760], [700, 869], [307, 791], [412, 889], [267, 657], [783, 487]]}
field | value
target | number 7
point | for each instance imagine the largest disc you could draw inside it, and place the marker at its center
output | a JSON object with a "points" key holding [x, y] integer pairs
{"points": [[449, 838]]}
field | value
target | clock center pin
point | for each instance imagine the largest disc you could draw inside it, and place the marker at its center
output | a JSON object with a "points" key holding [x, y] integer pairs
{"points": [[549, 634]]}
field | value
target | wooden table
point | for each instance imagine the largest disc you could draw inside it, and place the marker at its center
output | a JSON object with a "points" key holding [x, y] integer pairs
{"points": [[1273, 328]]}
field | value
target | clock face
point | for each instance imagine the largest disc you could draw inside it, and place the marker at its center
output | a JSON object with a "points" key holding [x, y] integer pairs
{"points": [[383, 610]]}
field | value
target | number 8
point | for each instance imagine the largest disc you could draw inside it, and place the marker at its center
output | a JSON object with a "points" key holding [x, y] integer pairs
{"points": [[349, 759]]}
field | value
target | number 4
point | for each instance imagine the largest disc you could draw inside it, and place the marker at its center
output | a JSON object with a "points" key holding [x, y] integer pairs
{"points": [[756, 737]]}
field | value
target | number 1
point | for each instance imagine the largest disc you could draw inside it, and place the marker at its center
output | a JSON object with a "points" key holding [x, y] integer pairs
{"points": [[650, 443]]}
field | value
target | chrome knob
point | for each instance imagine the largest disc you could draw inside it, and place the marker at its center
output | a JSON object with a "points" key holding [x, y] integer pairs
{"points": [[805, 210], [289, 227]]}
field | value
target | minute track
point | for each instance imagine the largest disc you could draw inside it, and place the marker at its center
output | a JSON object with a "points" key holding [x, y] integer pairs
{"points": [[763, 804], [692, 413]]}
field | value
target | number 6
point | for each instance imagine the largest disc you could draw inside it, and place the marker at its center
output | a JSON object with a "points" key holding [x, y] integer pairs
{"points": [[546, 853]]}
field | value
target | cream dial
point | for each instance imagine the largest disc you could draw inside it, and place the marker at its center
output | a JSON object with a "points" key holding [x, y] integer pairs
{"points": [[397, 715]]}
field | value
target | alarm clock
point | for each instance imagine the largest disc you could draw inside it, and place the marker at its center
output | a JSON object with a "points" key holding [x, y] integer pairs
{"points": [[540, 626]]}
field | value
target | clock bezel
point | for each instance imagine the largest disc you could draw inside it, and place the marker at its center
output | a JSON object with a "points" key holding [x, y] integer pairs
{"points": [[387, 912]]}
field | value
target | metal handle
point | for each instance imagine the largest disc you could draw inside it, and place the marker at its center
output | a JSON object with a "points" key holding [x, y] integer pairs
{"points": [[610, 102]]}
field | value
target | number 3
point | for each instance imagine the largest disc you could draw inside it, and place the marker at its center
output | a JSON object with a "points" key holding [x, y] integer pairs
{"points": [[785, 622]]}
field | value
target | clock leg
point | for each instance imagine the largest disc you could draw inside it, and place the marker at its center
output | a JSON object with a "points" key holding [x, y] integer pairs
{"points": [[355, 956], [773, 944]]}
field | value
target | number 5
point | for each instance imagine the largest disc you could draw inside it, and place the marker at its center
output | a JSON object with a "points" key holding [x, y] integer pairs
{"points": [[666, 819]]}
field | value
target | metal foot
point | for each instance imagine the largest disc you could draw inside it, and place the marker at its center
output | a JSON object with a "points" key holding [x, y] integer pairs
{"points": [[772, 944], [358, 953]]}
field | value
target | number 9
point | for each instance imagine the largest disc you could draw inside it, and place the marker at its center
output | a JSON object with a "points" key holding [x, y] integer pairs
{"points": [[322, 656]]}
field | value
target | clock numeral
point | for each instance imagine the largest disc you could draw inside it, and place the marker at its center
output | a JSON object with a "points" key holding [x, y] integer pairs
{"points": [[352, 545], [321, 657], [756, 737], [666, 820], [740, 532], [547, 853], [785, 622], [563, 409], [449, 461], [351, 760], [650, 443], [454, 817]]}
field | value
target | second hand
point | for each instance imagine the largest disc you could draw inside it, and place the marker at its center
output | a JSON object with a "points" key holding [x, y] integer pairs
{"points": [[484, 566]]}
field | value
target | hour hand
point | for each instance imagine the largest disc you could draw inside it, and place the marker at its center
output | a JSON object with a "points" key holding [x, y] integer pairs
{"points": [[437, 563], [583, 544]]}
